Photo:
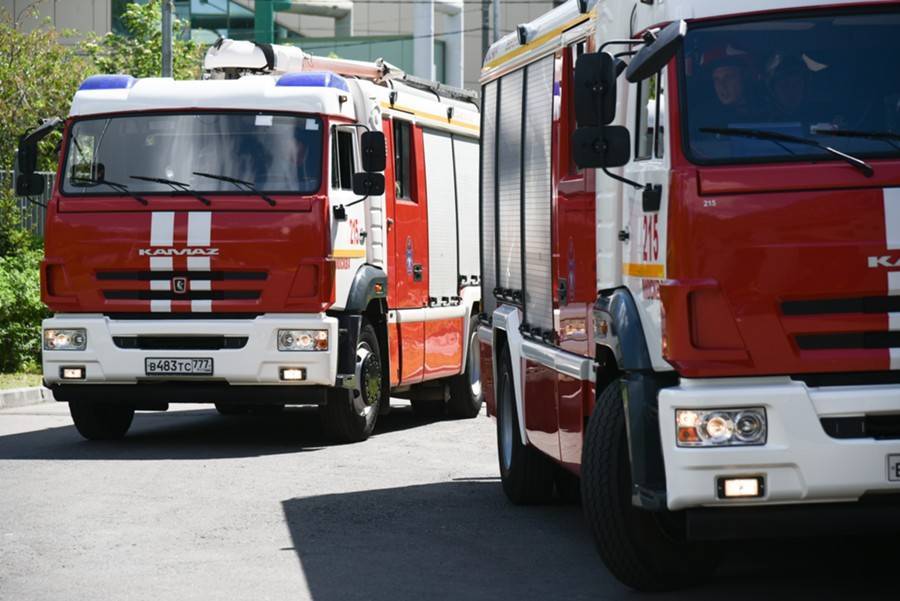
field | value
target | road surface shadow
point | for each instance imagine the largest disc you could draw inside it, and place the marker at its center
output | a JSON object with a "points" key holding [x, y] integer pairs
{"points": [[463, 540], [192, 435]]}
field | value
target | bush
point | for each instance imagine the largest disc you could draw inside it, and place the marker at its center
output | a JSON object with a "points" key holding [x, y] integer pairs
{"points": [[21, 311]]}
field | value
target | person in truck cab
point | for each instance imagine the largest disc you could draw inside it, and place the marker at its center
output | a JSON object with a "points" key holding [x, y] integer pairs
{"points": [[733, 80]]}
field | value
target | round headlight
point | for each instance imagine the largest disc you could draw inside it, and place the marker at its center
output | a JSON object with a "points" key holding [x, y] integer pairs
{"points": [[718, 428], [749, 427], [286, 340]]}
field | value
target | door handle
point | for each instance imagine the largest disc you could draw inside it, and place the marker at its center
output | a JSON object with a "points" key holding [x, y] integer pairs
{"points": [[417, 272]]}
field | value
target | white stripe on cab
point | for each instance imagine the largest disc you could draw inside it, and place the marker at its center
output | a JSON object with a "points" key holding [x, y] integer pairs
{"points": [[199, 228], [162, 228]]}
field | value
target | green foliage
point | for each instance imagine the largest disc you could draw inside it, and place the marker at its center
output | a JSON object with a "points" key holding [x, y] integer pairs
{"points": [[13, 237], [38, 77], [139, 53], [21, 311]]}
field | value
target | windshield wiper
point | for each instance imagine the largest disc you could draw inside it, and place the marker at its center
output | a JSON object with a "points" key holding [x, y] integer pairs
{"points": [[175, 185], [777, 137], [882, 136], [115, 186], [240, 183]]}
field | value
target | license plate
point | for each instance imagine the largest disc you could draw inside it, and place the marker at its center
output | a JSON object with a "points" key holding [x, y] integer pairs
{"points": [[894, 468], [173, 366]]}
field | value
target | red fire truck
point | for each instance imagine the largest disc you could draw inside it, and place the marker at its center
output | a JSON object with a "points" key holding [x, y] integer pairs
{"points": [[233, 240], [690, 226]]}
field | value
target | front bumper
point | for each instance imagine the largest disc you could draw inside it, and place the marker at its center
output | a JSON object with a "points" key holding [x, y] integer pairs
{"points": [[258, 363], [800, 462]]}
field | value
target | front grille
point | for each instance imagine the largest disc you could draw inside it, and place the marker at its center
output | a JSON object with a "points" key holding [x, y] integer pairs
{"points": [[214, 276], [162, 316], [137, 284], [189, 295], [841, 323], [879, 427], [855, 340], [180, 343], [865, 304]]}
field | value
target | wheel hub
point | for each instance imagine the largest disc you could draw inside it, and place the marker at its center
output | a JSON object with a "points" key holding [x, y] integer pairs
{"points": [[368, 375]]}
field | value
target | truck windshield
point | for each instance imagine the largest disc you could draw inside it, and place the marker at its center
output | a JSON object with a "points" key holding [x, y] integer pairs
{"points": [[273, 153], [825, 78]]}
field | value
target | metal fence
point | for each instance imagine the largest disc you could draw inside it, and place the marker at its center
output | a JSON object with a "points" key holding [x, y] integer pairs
{"points": [[32, 215]]}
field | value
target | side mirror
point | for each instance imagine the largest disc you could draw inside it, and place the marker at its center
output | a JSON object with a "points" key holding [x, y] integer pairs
{"points": [[595, 89], [29, 183], [368, 184], [658, 53], [374, 153], [601, 146]]}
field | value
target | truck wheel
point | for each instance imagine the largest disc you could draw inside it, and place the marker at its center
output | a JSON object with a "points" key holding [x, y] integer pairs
{"points": [[465, 389], [643, 549], [526, 474], [231, 409], [101, 421], [568, 486], [350, 415]]}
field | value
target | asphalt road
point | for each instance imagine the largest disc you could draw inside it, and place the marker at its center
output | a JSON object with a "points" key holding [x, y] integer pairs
{"points": [[193, 505]]}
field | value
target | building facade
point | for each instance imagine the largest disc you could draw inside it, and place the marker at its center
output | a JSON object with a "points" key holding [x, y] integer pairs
{"points": [[375, 28]]}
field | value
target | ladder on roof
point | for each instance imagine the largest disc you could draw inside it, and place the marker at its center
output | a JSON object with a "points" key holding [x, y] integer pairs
{"points": [[230, 59]]}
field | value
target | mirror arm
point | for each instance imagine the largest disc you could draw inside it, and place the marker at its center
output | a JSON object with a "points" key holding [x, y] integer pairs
{"points": [[340, 211], [624, 180], [621, 42]]}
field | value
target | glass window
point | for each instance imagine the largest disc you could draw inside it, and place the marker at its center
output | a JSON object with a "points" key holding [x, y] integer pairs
{"points": [[646, 118], [660, 119], [402, 159], [272, 152], [818, 77], [343, 162]]}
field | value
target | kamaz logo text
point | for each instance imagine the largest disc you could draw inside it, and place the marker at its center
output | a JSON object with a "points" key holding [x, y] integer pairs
{"points": [[178, 252], [885, 261]]}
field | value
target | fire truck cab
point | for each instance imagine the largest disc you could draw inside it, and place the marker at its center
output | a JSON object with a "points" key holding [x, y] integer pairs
{"points": [[289, 230], [690, 275]]}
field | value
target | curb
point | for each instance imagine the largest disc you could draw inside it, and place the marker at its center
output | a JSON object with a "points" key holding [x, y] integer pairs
{"points": [[21, 397]]}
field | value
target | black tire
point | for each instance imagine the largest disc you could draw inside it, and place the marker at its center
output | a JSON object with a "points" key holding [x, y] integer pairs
{"points": [[430, 409], [526, 474], [232, 409], [350, 415], [644, 550], [465, 389], [101, 421], [568, 486]]}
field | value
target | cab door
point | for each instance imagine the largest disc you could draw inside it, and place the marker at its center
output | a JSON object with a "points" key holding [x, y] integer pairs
{"points": [[408, 236], [645, 216]]}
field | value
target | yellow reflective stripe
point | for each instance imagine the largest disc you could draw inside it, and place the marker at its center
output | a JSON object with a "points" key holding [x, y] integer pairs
{"points": [[349, 253], [537, 42], [645, 270], [432, 117]]}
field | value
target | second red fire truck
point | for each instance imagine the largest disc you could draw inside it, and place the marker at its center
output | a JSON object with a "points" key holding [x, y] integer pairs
{"points": [[289, 230], [690, 231]]}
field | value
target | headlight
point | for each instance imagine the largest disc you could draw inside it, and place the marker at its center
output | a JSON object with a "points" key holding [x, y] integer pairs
{"points": [[71, 339], [720, 427], [302, 340]]}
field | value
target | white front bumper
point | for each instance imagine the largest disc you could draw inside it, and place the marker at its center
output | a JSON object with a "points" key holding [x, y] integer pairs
{"points": [[799, 461], [258, 362]]}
